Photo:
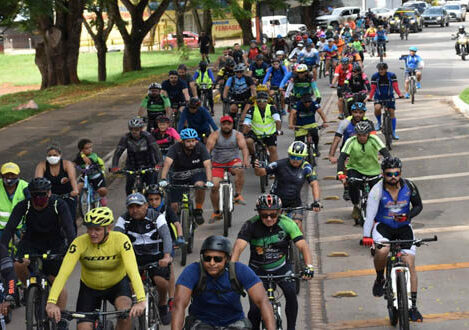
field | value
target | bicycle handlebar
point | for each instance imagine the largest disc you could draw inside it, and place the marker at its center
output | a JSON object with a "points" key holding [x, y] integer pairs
{"points": [[44, 256], [68, 315], [289, 209], [417, 242], [187, 186], [230, 167], [135, 172], [277, 277], [365, 179]]}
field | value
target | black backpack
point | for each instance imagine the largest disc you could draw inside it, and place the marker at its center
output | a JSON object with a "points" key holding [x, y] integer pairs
{"points": [[202, 283]]}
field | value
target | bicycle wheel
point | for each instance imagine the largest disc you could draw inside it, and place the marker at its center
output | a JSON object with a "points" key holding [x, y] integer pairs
{"points": [[392, 311], [380, 51], [186, 233], [331, 73], [311, 157], [387, 131], [412, 90], [152, 318], [296, 265], [226, 210], [36, 318], [402, 301], [262, 179], [83, 204], [226, 108], [278, 316]]}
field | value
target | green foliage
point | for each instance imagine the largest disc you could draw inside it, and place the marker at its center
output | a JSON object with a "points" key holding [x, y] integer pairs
{"points": [[465, 95], [8, 11], [184, 53]]}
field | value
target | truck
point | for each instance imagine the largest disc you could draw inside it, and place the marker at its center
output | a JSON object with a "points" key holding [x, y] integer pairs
{"points": [[272, 26]]}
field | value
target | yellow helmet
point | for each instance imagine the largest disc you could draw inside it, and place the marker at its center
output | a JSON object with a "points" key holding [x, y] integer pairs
{"points": [[301, 68], [298, 149], [99, 217], [262, 88]]}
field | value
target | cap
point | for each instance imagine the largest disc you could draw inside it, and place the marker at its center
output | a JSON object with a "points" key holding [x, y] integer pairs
{"points": [[10, 168], [136, 198], [226, 118]]}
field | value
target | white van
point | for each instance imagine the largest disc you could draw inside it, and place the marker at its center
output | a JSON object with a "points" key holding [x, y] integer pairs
{"points": [[277, 25]]}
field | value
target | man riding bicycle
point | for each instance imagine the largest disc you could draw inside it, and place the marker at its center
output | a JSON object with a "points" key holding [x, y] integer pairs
{"points": [[205, 76], [156, 104], [274, 77], [340, 74], [331, 53], [268, 236], [197, 117], [148, 231], [357, 83], [258, 69], [107, 263], [300, 84], [413, 63], [381, 38], [176, 90], [392, 203], [142, 152], [361, 151], [191, 165]]}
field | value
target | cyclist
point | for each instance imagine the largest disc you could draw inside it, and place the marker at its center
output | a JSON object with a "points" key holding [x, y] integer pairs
{"points": [[362, 153], [262, 122], [240, 88], [301, 84], [357, 83], [107, 263], [383, 85], [303, 117], [9, 280], [340, 43], [86, 158], [297, 50], [413, 62], [176, 90], [329, 32], [164, 135], [12, 191], [214, 287], [258, 69], [148, 231], [274, 77], [340, 75], [353, 55], [224, 145], [321, 43], [461, 32], [370, 35], [191, 164], [290, 175], [142, 152], [268, 235], [156, 105], [381, 38], [238, 54], [279, 44], [310, 57], [197, 117], [187, 78], [358, 45], [48, 227], [346, 33], [227, 54], [252, 52], [393, 202], [332, 56], [225, 73], [205, 76]]}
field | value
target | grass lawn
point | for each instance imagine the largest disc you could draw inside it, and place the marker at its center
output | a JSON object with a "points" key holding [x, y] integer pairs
{"points": [[465, 95], [155, 65]]}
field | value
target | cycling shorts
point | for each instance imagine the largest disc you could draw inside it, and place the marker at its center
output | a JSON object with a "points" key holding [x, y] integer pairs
{"points": [[89, 300], [382, 232], [269, 141], [340, 91], [297, 215], [96, 182], [218, 172], [163, 272], [389, 104], [407, 73], [175, 194], [49, 267]]}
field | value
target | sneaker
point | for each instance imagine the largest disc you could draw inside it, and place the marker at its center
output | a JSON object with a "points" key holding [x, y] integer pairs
{"points": [[165, 314], [356, 212], [326, 73], [180, 241], [378, 288], [407, 95], [346, 195], [418, 85], [198, 215], [395, 136], [283, 112], [212, 113], [414, 315], [316, 152], [239, 199], [215, 217]]}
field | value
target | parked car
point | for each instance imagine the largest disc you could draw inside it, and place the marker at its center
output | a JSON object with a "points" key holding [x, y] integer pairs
{"points": [[463, 3], [456, 12], [419, 5], [435, 15], [191, 40], [383, 12], [416, 22], [338, 16]]}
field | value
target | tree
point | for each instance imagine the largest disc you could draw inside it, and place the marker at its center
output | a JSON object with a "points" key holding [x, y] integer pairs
{"points": [[8, 11], [99, 31], [139, 29], [179, 10], [243, 15], [206, 23]]}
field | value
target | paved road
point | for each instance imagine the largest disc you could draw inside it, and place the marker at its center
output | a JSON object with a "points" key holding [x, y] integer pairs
{"points": [[435, 154]]}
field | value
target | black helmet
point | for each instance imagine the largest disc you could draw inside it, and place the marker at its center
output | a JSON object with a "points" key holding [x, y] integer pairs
{"points": [[356, 67], [268, 202], [216, 243], [136, 122], [194, 102], [259, 57], [203, 65], [262, 96], [382, 65], [162, 119], [391, 162], [154, 189], [39, 185], [363, 127], [229, 62], [306, 98]]}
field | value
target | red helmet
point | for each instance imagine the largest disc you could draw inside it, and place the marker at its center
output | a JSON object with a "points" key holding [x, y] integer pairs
{"points": [[298, 38], [305, 36]]}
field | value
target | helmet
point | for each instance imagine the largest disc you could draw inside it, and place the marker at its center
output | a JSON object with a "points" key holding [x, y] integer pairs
{"points": [[262, 88], [39, 185], [305, 36], [301, 68], [391, 162], [356, 67], [98, 217], [358, 106], [229, 62], [413, 49], [189, 133], [344, 60], [216, 243], [155, 85], [298, 38], [10, 168], [275, 59], [298, 148], [253, 42], [461, 28], [194, 102], [329, 27], [203, 64], [268, 202], [309, 41], [300, 44], [162, 119], [239, 67], [260, 57], [279, 36], [330, 40], [306, 98], [322, 36], [136, 122], [363, 127], [279, 53], [262, 96], [154, 189], [382, 65]]}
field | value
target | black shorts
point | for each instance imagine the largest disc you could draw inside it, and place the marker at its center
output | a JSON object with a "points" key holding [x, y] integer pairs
{"points": [[163, 272], [49, 267], [382, 232], [175, 194], [270, 141], [90, 299], [340, 91], [96, 181]]}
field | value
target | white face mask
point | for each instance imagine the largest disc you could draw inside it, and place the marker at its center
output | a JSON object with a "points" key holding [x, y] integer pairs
{"points": [[53, 160]]}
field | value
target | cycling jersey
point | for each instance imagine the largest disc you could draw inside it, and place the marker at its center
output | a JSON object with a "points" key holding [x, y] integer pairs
{"points": [[309, 58], [357, 83], [102, 265], [363, 157], [165, 139], [289, 180], [306, 115], [382, 86], [413, 62], [371, 32], [300, 87], [381, 36], [201, 121], [275, 75], [205, 77], [156, 104], [346, 128], [238, 56], [340, 45], [258, 71], [341, 71], [357, 45], [141, 153], [224, 74], [331, 51], [8, 202], [240, 87], [186, 161], [320, 46], [253, 52], [269, 245], [174, 92]]}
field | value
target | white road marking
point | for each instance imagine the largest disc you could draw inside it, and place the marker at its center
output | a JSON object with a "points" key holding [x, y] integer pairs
{"points": [[430, 126], [455, 137]]}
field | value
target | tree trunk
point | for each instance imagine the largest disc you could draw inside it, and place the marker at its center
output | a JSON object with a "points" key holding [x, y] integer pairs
{"points": [[102, 50], [198, 24], [246, 28], [131, 61], [40, 59], [243, 16], [310, 13], [208, 23], [179, 23]]}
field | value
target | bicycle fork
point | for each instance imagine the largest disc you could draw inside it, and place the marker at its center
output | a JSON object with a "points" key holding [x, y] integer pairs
{"points": [[394, 272]]}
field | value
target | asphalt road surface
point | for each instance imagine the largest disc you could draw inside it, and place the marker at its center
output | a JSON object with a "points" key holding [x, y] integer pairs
{"points": [[433, 147]]}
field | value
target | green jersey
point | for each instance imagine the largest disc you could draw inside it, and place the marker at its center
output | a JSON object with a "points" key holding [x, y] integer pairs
{"points": [[364, 157], [157, 104]]}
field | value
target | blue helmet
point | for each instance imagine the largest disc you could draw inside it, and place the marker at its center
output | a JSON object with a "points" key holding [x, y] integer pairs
{"points": [[189, 133], [413, 49], [279, 36], [358, 106], [345, 60]]}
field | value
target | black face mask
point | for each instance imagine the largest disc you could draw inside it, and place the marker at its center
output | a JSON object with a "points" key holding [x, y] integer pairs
{"points": [[10, 182]]}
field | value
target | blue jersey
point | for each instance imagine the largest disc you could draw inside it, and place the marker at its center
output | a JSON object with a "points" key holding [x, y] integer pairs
{"points": [[306, 115], [285, 79], [413, 62], [275, 75], [381, 35], [383, 84], [388, 208], [331, 50]]}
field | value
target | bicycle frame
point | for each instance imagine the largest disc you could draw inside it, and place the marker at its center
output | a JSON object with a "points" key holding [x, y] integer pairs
{"points": [[365, 190], [225, 182]]}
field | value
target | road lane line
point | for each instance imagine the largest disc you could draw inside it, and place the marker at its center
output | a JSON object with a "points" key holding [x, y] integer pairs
{"points": [[83, 121], [455, 137], [101, 114], [430, 126], [422, 117], [22, 153], [44, 141]]}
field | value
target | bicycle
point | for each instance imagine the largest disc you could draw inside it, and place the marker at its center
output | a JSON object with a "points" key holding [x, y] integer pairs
{"points": [[403, 31], [322, 67], [312, 152], [386, 128], [351, 98], [371, 45], [365, 190], [151, 318], [275, 299], [100, 317], [397, 280], [37, 291], [139, 185], [380, 50], [89, 198], [262, 155], [5, 319], [204, 96]]}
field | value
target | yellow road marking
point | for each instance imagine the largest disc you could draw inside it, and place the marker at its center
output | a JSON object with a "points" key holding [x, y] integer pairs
{"points": [[44, 141], [83, 121], [65, 130], [22, 153], [101, 114]]}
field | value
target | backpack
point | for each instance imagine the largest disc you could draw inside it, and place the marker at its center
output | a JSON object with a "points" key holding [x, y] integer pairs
{"points": [[202, 283]]}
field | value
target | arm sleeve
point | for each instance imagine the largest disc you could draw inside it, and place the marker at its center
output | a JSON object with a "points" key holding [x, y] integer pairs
{"points": [[267, 76], [310, 173], [166, 102], [342, 126], [373, 90], [196, 75], [341, 162], [415, 201], [271, 168], [385, 152], [245, 233], [165, 235], [317, 93], [182, 119], [395, 86], [157, 155], [210, 74], [372, 206], [131, 268], [120, 225], [285, 79], [210, 120], [119, 150], [15, 218], [66, 220], [68, 265], [144, 102]]}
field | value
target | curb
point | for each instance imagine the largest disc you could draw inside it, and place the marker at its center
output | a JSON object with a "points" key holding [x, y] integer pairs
{"points": [[461, 106]]}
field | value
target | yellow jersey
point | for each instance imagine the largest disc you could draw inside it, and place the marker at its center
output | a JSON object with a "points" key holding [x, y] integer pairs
{"points": [[102, 265]]}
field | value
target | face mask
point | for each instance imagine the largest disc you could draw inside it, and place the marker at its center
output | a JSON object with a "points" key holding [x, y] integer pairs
{"points": [[53, 160], [40, 201], [10, 182]]}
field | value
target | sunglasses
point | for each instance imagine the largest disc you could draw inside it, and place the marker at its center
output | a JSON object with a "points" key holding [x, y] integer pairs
{"points": [[296, 157], [39, 193], [217, 259], [261, 100], [391, 174], [268, 215]]}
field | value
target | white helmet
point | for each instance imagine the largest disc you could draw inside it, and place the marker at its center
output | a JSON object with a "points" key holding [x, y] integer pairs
{"points": [[279, 53]]}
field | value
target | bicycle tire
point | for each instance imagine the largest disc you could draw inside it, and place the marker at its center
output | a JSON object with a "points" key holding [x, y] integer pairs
{"points": [[34, 309], [278, 317], [392, 311], [296, 265], [190, 244], [185, 232], [226, 108], [109, 325], [83, 204], [402, 301], [152, 318], [387, 131], [311, 158], [412, 90], [262, 179], [226, 210], [331, 72]]}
